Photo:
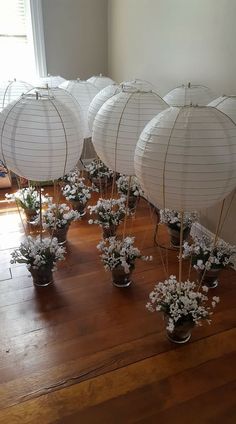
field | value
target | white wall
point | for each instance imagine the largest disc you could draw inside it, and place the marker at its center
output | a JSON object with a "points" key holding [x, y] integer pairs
{"points": [[75, 37], [170, 42]]}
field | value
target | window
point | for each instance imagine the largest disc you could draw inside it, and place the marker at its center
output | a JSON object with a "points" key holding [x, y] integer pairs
{"points": [[22, 53]]}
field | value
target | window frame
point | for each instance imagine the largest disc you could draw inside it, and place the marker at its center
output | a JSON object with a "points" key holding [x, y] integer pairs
{"points": [[36, 33]]}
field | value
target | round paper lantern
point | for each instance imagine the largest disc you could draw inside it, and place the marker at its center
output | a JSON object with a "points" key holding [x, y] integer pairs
{"points": [[52, 81], [187, 95], [186, 158], [67, 99], [226, 104], [40, 138], [100, 81], [109, 92], [118, 125], [100, 99], [84, 92], [12, 90]]}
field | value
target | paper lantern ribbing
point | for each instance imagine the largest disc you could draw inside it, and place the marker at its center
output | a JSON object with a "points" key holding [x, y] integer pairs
{"points": [[67, 99], [118, 125], [12, 90], [187, 95], [83, 92], [186, 158], [100, 81], [227, 105], [40, 138]]}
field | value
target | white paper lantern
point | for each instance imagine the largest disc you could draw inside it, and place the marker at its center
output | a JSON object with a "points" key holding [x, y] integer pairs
{"points": [[67, 99], [226, 104], [100, 81], [84, 92], [118, 125], [186, 158], [12, 90], [100, 99], [189, 94], [40, 138], [109, 92], [140, 84], [52, 81]]}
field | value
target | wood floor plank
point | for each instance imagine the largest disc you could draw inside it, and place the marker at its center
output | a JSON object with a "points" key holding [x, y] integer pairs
{"points": [[68, 401], [216, 406], [166, 396]]}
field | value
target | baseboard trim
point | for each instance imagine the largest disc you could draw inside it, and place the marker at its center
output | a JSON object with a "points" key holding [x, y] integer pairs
{"points": [[199, 230]]}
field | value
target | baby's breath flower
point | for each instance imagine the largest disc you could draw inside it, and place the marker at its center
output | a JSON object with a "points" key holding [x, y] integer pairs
{"points": [[77, 190], [28, 198], [119, 252], [205, 254], [36, 252], [58, 216], [108, 212], [180, 302], [97, 169], [124, 186], [173, 218], [72, 177]]}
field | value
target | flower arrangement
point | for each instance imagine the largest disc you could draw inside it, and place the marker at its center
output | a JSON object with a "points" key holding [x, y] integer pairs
{"points": [[78, 191], [206, 255], [173, 218], [72, 177], [97, 169], [28, 198], [37, 253], [109, 212], [181, 303], [120, 253], [123, 186], [58, 216]]}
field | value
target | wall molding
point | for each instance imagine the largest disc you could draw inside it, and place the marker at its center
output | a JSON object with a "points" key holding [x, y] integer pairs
{"points": [[199, 230]]}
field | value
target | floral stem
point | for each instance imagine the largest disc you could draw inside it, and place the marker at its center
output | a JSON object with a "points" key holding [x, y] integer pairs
{"points": [[181, 244], [219, 224], [113, 184], [40, 213], [126, 207]]}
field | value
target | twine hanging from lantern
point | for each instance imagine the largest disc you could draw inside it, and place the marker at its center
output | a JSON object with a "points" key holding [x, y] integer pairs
{"points": [[84, 92], [100, 81], [227, 105], [40, 138], [185, 158], [12, 90], [189, 94], [118, 124]]}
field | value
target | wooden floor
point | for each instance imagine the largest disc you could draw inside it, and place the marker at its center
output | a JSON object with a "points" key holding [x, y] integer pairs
{"points": [[83, 351]]}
